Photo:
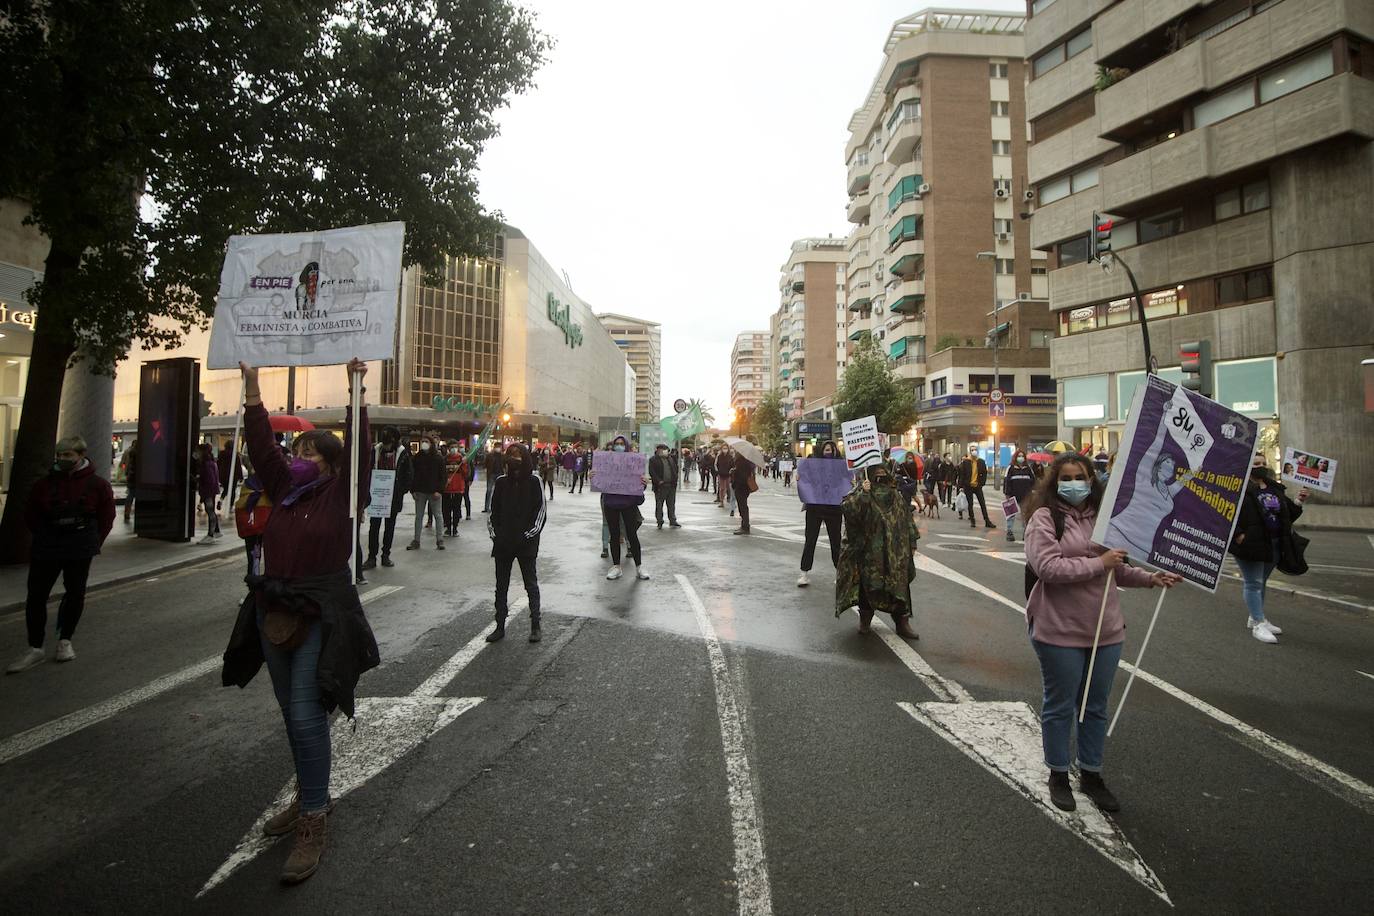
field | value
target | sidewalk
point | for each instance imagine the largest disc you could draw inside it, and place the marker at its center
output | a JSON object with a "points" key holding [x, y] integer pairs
{"points": [[125, 558]]}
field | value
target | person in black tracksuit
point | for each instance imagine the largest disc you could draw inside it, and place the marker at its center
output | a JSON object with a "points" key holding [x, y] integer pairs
{"points": [[514, 523], [815, 515], [1019, 482]]}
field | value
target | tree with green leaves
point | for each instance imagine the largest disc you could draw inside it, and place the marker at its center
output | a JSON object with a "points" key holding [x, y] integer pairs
{"points": [[768, 423], [141, 135], [870, 387]]}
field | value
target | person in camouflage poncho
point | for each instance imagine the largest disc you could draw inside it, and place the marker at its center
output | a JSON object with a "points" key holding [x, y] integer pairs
{"points": [[876, 566]]}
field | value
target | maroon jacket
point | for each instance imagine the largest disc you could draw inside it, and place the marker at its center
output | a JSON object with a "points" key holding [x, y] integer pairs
{"points": [[312, 536], [70, 513]]}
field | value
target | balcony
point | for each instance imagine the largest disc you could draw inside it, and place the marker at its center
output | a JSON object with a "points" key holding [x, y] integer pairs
{"points": [[859, 207], [1053, 88], [859, 174], [1058, 21], [1065, 218], [860, 295], [906, 259], [1221, 248], [1133, 23], [912, 207], [909, 367], [906, 133], [1066, 149], [907, 297], [1336, 106]]}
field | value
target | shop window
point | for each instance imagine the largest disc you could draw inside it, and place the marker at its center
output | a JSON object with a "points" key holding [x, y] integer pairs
{"points": [[1043, 384], [1128, 382], [1247, 385], [1085, 400], [1079, 320]]}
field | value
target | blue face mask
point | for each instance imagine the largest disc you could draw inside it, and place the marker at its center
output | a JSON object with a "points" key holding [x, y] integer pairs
{"points": [[619, 448], [1074, 492]]}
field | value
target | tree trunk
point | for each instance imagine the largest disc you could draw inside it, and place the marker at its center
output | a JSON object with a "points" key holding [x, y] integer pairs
{"points": [[33, 446]]}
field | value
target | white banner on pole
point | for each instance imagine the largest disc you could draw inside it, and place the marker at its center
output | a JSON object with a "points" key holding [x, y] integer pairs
{"points": [[382, 489], [308, 298], [862, 446]]}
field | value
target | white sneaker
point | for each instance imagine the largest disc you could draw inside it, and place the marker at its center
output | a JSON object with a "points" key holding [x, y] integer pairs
{"points": [[1263, 634], [219, 534], [208, 539], [803, 580], [65, 652], [1250, 621], [614, 573], [26, 661], [640, 573]]}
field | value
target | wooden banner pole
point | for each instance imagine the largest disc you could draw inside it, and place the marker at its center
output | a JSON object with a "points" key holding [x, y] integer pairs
{"points": [[1092, 659], [1131, 680]]}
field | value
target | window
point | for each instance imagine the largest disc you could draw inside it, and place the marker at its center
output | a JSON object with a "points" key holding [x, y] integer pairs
{"points": [[1064, 117], [1223, 104], [1005, 266], [1040, 339], [909, 227], [1124, 235], [938, 387], [1053, 57], [1292, 76], [1054, 189], [1255, 196], [905, 190], [1042, 384], [982, 384], [1001, 184], [1002, 226], [1001, 147], [909, 110], [1079, 43], [1038, 5], [920, 391], [1038, 270], [997, 71], [1152, 228], [1085, 178], [1246, 286], [1001, 109], [1077, 320]]}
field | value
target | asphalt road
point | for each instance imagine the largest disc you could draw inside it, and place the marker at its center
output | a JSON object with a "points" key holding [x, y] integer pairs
{"points": [[712, 740]]}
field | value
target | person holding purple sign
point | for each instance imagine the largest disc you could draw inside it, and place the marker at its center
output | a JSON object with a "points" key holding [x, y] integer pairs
{"points": [[621, 511], [832, 516], [1070, 574], [1266, 519]]}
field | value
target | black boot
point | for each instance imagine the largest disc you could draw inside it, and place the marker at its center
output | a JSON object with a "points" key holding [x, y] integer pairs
{"points": [[1060, 793], [1091, 785], [499, 633], [535, 635]]}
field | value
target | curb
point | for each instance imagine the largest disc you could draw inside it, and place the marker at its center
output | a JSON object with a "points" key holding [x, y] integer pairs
{"points": [[127, 577]]}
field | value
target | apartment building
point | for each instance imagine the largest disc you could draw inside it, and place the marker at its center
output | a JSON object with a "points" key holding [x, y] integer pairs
{"points": [[751, 370], [1230, 141], [808, 329], [642, 342], [939, 264]]}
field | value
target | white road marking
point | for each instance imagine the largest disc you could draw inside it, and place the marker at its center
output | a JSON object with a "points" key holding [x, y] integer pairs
{"points": [[450, 669], [26, 742], [1365, 673], [961, 537], [947, 690], [751, 867]]}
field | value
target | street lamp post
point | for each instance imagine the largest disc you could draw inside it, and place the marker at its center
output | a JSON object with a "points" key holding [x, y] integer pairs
{"points": [[996, 373]]}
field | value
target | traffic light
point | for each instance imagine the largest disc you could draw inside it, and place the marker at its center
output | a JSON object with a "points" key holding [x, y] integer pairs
{"points": [[1100, 239], [1195, 359]]}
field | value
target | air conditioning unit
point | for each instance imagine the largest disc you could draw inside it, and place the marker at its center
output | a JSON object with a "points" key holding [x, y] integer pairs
{"points": [[1024, 297], [1001, 193], [1003, 236], [1028, 195], [923, 190]]}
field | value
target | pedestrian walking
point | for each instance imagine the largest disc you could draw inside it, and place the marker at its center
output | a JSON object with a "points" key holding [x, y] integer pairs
{"points": [[1018, 483], [908, 476], [390, 454], [455, 485], [663, 475], [426, 487], [69, 514], [973, 476], [492, 465], [547, 468], [621, 514], [830, 516], [685, 461], [207, 488], [130, 479], [302, 615], [569, 463], [229, 469], [517, 517], [1264, 527], [876, 566], [742, 483], [1070, 574]]}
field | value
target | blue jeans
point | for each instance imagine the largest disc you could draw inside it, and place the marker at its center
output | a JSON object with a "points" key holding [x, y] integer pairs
{"points": [[1064, 671], [1256, 576], [1011, 525], [294, 681]]}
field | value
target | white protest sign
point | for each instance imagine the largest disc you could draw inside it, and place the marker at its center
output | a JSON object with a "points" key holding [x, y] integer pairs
{"points": [[1309, 470], [784, 465], [308, 298], [382, 487], [861, 443]]}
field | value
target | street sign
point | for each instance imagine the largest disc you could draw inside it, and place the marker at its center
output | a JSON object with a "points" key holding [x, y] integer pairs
{"points": [[679, 405], [997, 409], [996, 395]]}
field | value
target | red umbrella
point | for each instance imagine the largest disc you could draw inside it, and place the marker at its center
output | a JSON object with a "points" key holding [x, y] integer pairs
{"points": [[1040, 456], [289, 423]]}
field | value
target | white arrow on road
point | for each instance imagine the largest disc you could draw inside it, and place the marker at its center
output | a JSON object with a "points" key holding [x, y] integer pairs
{"points": [[388, 729]]}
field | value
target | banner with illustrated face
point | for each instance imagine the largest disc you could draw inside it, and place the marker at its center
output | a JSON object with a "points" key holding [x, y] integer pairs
{"points": [[308, 298], [1309, 470], [1172, 498]]}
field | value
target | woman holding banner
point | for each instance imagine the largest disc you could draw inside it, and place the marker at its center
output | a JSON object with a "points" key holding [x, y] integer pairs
{"points": [[302, 616], [876, 566], [621, 512], [1265, 522], [815, 516], [1075, 584]]}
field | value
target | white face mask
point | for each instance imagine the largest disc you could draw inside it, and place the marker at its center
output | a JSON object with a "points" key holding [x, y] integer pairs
{"points": [[424, 446]]}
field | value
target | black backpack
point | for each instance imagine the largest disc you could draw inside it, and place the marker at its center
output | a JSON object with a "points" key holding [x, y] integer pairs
{"points": [[1031, 577]]}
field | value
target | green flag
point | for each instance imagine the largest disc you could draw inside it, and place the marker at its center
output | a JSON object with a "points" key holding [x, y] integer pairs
{"points": [[687, 423]]}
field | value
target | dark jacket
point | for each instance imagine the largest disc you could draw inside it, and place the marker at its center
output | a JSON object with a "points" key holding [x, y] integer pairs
{"points": [[517, 513], [427, 472], [347, 646], [207, 481], [966, 472], [1256, 543], [740, 472], [1020, 480], [70, 513], [663, 471], [398, 461]]}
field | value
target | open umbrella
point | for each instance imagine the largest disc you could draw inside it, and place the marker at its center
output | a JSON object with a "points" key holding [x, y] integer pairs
{"points": [[1044, 457], [1059, 446], [289, 423], [747, 449]]}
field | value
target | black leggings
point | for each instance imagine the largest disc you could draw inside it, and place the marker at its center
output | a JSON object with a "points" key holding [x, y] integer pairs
{"points": [[630, 517], [813, 533]]}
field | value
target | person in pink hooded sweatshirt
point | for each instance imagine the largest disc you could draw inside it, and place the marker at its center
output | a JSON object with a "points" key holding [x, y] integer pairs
{"points": [[1061, 616]]}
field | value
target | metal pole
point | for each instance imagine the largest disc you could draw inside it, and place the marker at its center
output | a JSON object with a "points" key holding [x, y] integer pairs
{"points": [[1140, 310], [996, 372], [291, 389]]}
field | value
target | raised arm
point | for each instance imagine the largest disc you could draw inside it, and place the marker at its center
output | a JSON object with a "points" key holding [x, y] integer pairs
{"points": [[268, 462], [357, 371]]}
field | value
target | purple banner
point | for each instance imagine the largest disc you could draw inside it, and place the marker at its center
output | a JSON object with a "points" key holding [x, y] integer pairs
{"points": [[823, 481], [1177, 481], [619, 472]]}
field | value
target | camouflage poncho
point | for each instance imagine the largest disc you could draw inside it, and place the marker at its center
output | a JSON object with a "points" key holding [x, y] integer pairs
{"points": [[880, 535]]}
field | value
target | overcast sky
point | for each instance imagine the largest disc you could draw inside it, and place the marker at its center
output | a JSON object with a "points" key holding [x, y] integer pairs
{"points": [[670, 153]]}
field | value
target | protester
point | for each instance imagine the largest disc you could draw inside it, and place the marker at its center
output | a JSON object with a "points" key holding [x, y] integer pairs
{"points": [[569, 461], [1062, 618], [207, 487], [69, 514], [706, 468], [582, 460], [517, 516], [426, 487], [685, 461], [391, 455], [1265, 521], [302, 616], [493, 465], [455, 485], [663, 474], [876, 566], [787, 474], [228, 467], [830, 516], [621, 512], [547, 464], [1018, 483], [130, 479], [973, 475], [725, 463], [742, 483], [908, 477], [949, 480]]}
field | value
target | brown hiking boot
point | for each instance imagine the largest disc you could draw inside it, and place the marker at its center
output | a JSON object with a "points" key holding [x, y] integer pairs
{"points": [[284, 821], [311, 832], [865, 621], [903, 627]]}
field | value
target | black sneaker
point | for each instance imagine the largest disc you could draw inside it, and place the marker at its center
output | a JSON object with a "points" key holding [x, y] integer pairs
{"points": [[497, 634], [370, 563], [535, 634], [1091, 785], [439, 546], [386, 561], [1060, 792], [413, 545]]}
